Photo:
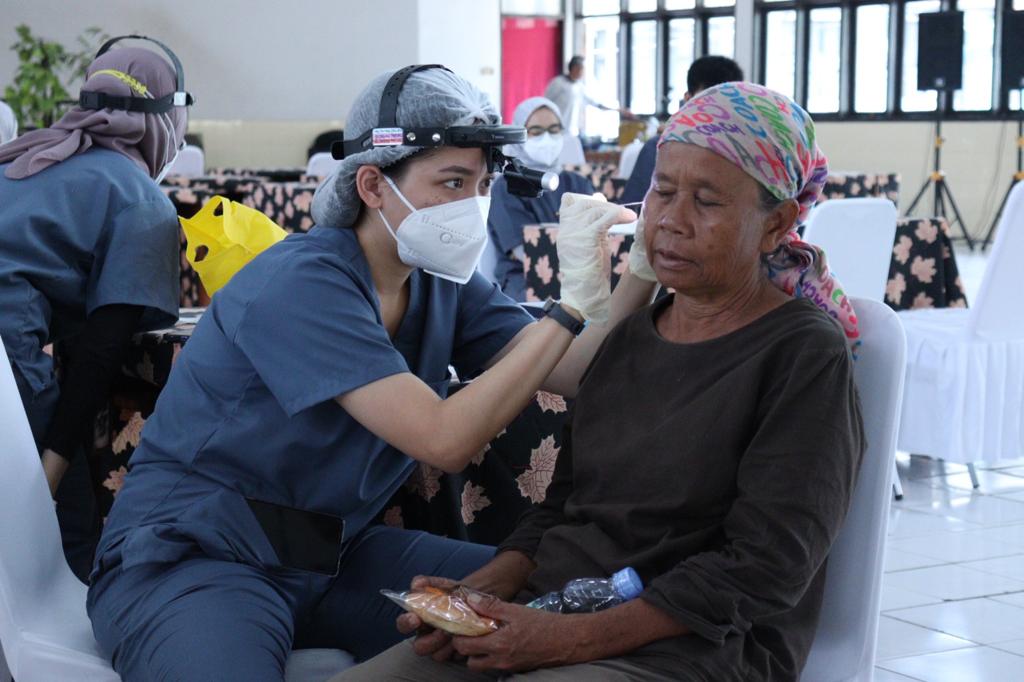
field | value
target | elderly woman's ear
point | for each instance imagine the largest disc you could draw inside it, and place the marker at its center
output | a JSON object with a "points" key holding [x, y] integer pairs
{"points": [[778, 222]]}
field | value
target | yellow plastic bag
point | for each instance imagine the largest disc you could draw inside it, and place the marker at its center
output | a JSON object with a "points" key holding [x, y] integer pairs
{"points": [[225, 235]]}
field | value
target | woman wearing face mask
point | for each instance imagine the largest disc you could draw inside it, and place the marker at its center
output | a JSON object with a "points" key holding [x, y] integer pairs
{"points": [[88, 256], [313, 386], [509, 214]]}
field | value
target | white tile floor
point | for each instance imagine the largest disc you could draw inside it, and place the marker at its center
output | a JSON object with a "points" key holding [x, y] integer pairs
{"points": [[953, 589]]}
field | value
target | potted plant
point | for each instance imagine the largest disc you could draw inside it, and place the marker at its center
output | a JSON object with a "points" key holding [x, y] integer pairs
{"points": [[45, 70]]}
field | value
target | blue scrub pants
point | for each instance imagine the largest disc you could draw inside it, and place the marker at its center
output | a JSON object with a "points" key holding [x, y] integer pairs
{"points": [[204, 619]]}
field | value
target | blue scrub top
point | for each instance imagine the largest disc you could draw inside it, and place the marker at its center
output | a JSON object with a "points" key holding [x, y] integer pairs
{"points": [[509, 214], [91, 231], [249, 408]]}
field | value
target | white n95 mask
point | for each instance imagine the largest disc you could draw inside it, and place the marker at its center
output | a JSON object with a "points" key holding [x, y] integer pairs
{"points": [[543, 149], [445, 240]]}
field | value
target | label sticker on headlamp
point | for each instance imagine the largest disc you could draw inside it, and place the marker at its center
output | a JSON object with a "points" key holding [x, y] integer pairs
{"points": [[387, 137]]}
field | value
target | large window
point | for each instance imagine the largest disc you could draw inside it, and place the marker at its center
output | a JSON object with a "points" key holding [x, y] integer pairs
{"points": [[601, 74], [780, 55], [871, 63], [859, 57], [655, 43]]}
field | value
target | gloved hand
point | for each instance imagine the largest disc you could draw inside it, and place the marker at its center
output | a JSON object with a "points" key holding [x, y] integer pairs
{"points": [[639, 263], [583, 258]]}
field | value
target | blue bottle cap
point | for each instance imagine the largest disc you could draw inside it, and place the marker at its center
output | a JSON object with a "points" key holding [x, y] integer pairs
{"points": [[627, 584]]}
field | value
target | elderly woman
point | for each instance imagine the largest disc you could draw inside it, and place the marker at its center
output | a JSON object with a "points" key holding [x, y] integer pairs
{"points": [[715, 441], [510, 213]]}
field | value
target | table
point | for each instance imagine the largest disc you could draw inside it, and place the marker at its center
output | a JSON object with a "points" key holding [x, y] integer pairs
{"points": [[854, 185], [480, 504], [540, 263], [923, 271]]}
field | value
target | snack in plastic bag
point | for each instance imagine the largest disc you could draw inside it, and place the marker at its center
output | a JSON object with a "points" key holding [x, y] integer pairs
{"points": [[444, 610]]}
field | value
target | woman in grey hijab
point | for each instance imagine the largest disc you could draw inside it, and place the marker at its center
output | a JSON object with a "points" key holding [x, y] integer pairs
{"points": [[312, 388], [88, 257]]}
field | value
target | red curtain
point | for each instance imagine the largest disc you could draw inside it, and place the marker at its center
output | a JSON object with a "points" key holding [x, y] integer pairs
{"points": [[531, 55]]}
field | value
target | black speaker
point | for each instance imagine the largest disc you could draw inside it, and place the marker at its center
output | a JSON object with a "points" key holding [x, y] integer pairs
{"points": [[1013, 51], [940, 51]]}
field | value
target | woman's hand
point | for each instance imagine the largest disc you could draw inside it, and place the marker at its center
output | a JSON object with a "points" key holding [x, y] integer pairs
{"points": [[504, 576], [429, 641], [54, 467], [526, 640], [639, 261], [583, 260]]}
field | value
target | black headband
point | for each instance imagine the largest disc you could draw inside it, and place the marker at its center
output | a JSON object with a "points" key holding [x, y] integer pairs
{"points": [[91, 99], [387, 132]]}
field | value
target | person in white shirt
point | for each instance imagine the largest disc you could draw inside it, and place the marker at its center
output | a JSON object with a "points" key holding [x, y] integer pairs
{"points": [[8, 124], [568, 92]]}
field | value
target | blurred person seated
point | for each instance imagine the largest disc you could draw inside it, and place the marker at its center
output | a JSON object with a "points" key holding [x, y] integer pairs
{"points": [[509, 213]]}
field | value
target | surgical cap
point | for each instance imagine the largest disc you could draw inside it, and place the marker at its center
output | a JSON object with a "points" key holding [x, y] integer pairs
{"points": [[429, 98]]}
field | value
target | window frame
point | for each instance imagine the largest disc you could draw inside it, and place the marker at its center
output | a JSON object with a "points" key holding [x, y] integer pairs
{"points": [[999, 109], [661, 16]]}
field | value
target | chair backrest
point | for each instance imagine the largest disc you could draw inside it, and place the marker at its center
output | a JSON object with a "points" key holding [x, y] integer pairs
{"points": [[844, 645], [857, 236], [38, 593], [321, 164], [627, 159], [190, 162], [997, 313], [572, 151]]}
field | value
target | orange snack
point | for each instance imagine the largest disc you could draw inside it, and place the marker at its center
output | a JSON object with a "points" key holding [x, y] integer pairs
{"points": [[443, 610]]}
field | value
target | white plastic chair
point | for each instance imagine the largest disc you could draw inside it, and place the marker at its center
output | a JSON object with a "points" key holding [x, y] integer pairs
{"points": [[572, 151], [627, 159], [190, 162], [844, 644], [45, 634], [857, 236], [964, 398], [321, 164]]}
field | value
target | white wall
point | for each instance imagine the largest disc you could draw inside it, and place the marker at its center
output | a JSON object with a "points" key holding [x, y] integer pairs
{"points": [[246, 59], [465, 36], [978, 158]]}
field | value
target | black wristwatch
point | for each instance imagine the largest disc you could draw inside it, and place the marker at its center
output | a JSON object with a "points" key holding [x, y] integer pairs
{"points": [[556, 312]]}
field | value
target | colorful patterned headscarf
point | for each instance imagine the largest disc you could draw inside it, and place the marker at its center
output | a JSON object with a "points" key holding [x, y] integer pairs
{"points": [[770, 138]]}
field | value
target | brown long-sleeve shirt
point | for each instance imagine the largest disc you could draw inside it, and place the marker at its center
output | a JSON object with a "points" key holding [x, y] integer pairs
{"points": [[721, 471]]}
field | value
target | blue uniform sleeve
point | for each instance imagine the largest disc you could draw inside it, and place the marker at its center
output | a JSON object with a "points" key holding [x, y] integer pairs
{"points": [[137, 263], [487, 320], [313, 333]]}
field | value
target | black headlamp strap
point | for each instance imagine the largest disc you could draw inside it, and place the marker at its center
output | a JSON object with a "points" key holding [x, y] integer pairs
{"points": [[387, 115], [100, 100]]}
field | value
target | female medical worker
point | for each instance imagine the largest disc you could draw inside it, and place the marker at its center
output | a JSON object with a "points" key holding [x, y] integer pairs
{"points": [[510, 213], [88, 256], [309, 391]]}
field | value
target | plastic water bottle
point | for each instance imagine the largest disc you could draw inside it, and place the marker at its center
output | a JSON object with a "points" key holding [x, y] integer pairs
{"points": [[587, 595]]}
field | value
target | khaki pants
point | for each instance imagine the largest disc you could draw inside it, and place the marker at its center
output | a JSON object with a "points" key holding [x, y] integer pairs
{"points": [[400, 663]]}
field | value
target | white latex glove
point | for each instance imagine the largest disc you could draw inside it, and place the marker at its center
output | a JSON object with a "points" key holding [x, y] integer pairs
{"points": [[639, 263], [583, 258]]}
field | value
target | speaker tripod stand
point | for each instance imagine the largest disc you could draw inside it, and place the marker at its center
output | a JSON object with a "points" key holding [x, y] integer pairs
{"points": [[1017, 177], [937, 178]]}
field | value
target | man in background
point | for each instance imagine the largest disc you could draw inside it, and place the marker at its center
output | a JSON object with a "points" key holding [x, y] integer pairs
{"points": [[704, 73], [567, 90]]}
